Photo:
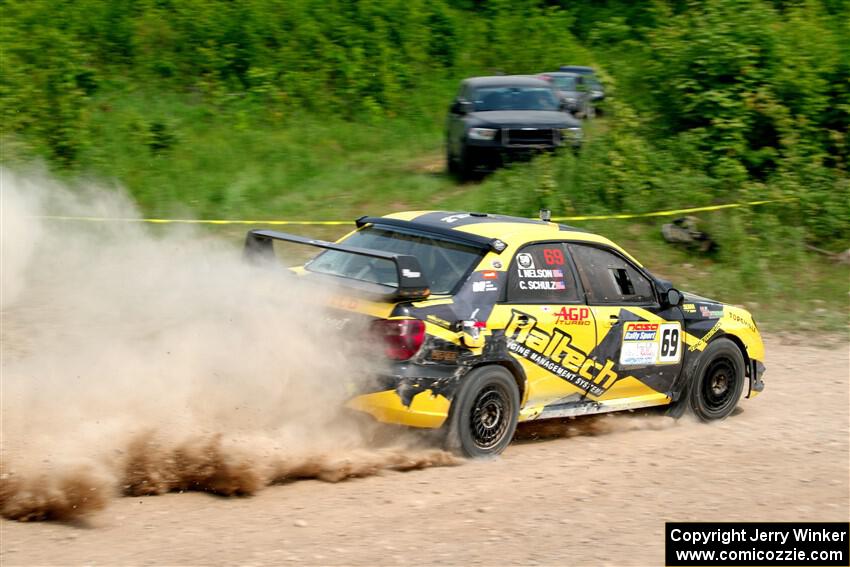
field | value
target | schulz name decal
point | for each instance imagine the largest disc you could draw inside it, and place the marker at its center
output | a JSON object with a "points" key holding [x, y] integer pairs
{"points": [[555, 353]]}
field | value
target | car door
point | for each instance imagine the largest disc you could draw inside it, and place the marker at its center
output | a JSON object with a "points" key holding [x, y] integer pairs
{"points": [[548, 327], [640, 341]]}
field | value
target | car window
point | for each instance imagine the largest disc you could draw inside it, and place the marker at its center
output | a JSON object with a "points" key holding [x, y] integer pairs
{"points": [[565, 83], [444, 263], [608, 278], [514, 98], [542, 273]]}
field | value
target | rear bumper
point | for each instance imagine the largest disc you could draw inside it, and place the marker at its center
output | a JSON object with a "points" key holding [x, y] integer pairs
{"points": [[426, 409], [411, 394]]}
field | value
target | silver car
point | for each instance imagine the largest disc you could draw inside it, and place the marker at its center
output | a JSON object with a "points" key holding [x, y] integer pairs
{"points": [[573, 90]]}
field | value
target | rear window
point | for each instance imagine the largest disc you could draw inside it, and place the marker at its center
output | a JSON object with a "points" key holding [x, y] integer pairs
{"points": [[541, 273], [444, 263]]}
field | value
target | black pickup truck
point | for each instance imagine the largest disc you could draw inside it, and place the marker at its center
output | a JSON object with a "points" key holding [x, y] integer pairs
{"points": [[494, 118]]}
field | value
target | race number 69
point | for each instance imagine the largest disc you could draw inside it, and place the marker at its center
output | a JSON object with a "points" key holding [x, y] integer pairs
{"points": [[553, 256], [670, 343]]}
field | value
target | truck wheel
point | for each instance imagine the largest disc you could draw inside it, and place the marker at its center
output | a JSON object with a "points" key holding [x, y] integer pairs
{"points": [[451, 163], [717, 383], [484, 413], [465, 165]]}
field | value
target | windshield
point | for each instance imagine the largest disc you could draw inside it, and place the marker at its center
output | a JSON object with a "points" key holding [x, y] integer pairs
{"points": [[444, 263], [565, 83], [593, 83], [515, 98]]}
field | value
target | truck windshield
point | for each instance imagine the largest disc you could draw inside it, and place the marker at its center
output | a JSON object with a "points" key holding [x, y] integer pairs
{"points": [[565, 83], [515, 98], [444, 263]]}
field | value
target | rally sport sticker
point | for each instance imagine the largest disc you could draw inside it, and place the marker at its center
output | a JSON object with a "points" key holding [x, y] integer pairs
{"points": [[651, 343]]}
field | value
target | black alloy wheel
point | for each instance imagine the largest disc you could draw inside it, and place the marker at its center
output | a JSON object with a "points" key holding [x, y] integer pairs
{"points": [[484, 412]]}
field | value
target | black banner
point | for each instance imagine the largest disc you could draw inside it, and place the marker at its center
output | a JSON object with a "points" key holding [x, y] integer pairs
{"points": [[757, 543]]}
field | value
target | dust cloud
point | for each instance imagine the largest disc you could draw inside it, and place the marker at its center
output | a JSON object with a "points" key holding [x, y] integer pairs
{"points": [[140, 360]]}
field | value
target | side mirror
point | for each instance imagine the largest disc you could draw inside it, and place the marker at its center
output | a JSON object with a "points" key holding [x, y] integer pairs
{"points": [[462, 107], [672, 297]]}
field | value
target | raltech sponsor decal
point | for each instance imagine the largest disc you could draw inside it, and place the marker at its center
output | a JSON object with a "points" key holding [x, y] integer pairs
{"points": [[555, 353]]}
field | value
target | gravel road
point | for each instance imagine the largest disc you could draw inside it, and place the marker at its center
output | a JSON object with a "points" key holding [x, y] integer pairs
{"points": [[594, 491]]}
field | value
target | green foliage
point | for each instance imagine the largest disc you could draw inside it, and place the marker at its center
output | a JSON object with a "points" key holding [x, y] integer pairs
{"points": [[756, 92], [323, 55], [714, 101]]}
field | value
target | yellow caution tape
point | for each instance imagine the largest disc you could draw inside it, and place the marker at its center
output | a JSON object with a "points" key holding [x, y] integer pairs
{"points": [[192, 221], [672, 212], [336, 223]]}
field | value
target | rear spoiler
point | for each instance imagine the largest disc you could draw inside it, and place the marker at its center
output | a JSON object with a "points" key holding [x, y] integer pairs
{"points": [[481, 242], [412, 284]]}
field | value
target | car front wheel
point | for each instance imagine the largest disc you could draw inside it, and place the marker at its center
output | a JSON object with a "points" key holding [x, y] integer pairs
{"points": [[484, 413], [718, 381]]}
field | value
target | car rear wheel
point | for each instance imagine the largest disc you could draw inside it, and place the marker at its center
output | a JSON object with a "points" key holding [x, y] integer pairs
{"points": [[718, 381], [484, 413]]}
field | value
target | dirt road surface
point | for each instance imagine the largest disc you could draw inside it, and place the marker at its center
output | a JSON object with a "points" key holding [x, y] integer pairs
{"points": [[598, 495]]}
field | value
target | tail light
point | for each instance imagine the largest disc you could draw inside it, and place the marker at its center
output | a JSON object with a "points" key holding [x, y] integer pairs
{"points": [[402, 337]]}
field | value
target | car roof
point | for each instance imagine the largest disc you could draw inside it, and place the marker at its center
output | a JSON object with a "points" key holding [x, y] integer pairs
{"points": [[513, 231], [506, 81], [577, 69], [561, 74]]}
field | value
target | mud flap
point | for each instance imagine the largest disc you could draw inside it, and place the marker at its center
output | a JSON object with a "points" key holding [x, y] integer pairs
{"points": [[756, 385], [677, 408], [679, 405]]}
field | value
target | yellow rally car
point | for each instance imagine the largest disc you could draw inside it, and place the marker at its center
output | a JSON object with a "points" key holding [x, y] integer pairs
{"points": [[488, 320]]}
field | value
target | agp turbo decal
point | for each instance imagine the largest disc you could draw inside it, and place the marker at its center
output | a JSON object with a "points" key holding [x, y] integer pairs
{"points": [[651, 343], [554, 353], [573, 316]]}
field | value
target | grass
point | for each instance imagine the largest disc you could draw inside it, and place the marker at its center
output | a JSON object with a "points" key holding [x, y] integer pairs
{"points": [[180, 158], [230, 163]]}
